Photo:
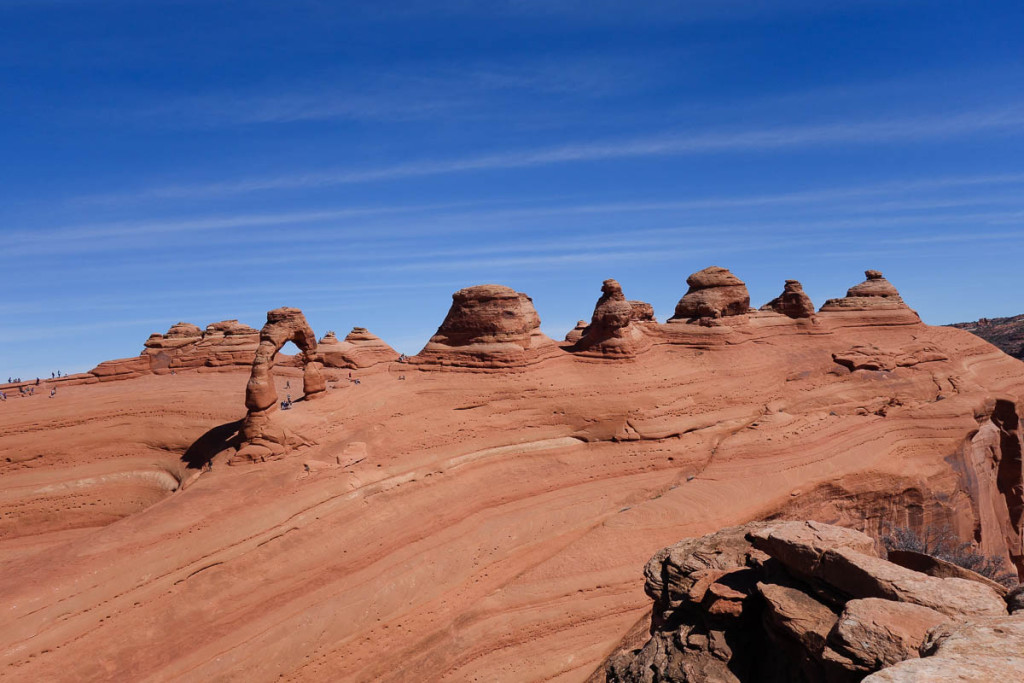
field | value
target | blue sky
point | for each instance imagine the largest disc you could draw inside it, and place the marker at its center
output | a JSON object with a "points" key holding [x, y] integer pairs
{"points": [[166, 160]]}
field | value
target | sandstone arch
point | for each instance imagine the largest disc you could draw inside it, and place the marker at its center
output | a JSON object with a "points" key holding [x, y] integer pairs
{"points": [[283, 325], [261, 439]]}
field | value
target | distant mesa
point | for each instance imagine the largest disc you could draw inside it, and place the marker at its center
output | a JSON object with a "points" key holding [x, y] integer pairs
{"points": [[793, 301], [714, 293], [613, 330], [360, 349], [488, 327], [875, 293]]}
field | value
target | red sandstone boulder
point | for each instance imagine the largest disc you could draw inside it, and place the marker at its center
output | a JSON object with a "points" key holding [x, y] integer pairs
{"points": [[873, 633], [798, 615], [801, 545], [863, 576], [980, 650], [793, 301], [714, 293], [784, 601]]}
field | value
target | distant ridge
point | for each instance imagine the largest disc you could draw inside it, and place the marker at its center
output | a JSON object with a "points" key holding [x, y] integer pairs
{"points": [[1005, 333]]}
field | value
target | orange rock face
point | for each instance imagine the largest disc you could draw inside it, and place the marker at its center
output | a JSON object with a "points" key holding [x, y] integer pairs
{"points": [[477, 525]]}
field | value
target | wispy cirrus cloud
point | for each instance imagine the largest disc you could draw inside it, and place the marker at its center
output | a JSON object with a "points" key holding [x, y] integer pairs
{"points": [[891, 197], [1008, 120]]}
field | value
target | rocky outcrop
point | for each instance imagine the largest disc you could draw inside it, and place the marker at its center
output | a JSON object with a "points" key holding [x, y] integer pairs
{"points": [[359, 349], [488, 327], [224, 343], [978, 650], [793, 301], [576, 333], [261, 439], [874, 294], [642, 312], [714, 293], [785, 601], [872, 357], [613, 331]]}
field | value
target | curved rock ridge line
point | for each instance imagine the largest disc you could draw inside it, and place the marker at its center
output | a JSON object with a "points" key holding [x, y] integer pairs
{"points": [[484, 525]]}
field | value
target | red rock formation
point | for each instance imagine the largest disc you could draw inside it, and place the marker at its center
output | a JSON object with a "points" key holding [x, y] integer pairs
{"points": [[612, 331], [574, 335], [517, 505], [224, 343], [261, 439], [874, 294], [360, 349], [784, 601], [488, 327], [714, 293], [793, 301], [642, 312]]}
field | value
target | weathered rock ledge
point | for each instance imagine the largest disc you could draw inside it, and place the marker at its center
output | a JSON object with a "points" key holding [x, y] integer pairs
{"points": [[805, 601]]}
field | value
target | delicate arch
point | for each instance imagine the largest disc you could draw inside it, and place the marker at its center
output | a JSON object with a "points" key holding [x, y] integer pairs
{"points": [[283, 325]]}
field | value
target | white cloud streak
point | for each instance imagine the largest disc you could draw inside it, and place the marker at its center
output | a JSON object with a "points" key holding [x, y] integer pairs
{"points": [[904, 130]]}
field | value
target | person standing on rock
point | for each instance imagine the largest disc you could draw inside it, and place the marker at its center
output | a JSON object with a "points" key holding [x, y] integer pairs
{"points": [[53, 392]]}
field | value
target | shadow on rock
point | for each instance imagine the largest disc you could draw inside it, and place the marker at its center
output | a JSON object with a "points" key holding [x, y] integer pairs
{"points": [[211, 443]]}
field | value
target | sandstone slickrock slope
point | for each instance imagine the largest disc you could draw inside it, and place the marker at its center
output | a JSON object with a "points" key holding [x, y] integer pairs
{"points": [[1005, 333], [714, 293], [487, 525], [488, 327], [805, 601]]}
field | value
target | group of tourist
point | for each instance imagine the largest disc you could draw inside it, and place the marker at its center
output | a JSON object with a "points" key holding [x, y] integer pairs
{"points": [[53, 375]]}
